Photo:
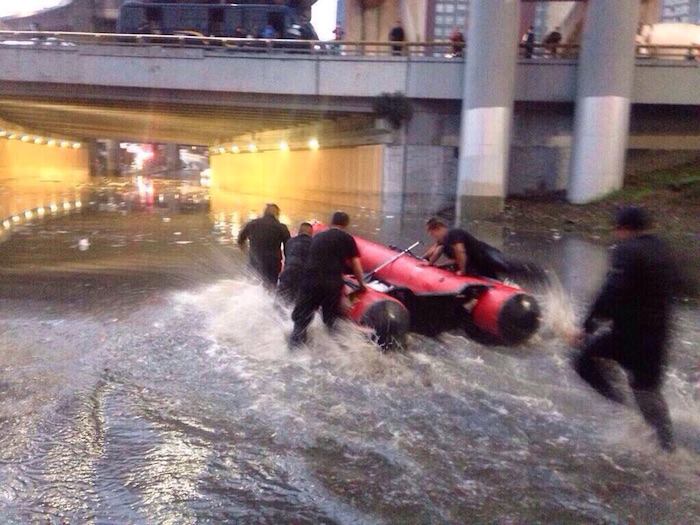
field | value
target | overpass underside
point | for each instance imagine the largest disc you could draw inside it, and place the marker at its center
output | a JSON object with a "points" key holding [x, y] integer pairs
{"points": [[361, 161]]}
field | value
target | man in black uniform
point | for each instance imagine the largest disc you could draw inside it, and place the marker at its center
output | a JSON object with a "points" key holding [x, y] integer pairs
{"points": [[636, 297], [322, 283], [296, 251], [470, 254], [267, 235]]}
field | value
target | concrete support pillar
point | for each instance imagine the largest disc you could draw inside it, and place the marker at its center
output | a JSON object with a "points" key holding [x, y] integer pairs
{"points": [[487, 107], [93, 157], [172, 152], [112, 153], [605, 76]]}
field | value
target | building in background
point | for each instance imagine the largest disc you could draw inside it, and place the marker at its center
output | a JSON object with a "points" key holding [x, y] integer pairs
{"points": [[687, 11]]}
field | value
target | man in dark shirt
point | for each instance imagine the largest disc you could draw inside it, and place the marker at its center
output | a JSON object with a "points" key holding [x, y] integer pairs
{"points": [[529, 41], [322, 283], [470, 254], [397, 34], [636, 297], [296, 252], [267, 236], [552, 40]]}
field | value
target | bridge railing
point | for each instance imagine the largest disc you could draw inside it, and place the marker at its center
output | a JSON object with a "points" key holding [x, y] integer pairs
{"points": [[435, 50]]}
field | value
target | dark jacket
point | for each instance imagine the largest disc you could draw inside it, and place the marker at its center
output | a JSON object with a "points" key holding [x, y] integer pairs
{"points": [[636, 296], [397, 34], [296, 251], [267, 235]]}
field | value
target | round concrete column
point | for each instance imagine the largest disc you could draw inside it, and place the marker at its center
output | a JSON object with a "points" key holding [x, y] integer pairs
{"points": [[605, 76], [487, 107]]}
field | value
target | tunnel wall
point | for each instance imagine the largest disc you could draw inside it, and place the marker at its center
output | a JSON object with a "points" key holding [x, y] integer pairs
{"points": [[34, 176], [337, 177]]}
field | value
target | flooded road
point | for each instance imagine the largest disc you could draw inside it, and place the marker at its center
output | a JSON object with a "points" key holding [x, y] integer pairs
{"points": [[145, 379]]}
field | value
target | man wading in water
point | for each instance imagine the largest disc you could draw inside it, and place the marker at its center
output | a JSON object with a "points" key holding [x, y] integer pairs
{"points": [[267, 236], [322, 281], [637, 299]]}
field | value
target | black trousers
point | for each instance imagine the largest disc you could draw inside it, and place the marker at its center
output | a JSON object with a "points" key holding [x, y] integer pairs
{"points": [[642, 356], [289, 284], [267, 268], [314, 294]]}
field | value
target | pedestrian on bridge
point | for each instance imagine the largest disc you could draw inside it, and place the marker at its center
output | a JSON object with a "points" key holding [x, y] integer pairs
{"points": [[397, 34]]}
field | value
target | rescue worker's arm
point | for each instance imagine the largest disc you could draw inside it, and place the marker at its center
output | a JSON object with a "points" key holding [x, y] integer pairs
{"points": [[243, 236], [433, 254], [618, 284], [357, 271], [461, 257]]}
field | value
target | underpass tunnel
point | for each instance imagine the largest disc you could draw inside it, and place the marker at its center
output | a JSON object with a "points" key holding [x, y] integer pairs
{"points": [[50, 148]]}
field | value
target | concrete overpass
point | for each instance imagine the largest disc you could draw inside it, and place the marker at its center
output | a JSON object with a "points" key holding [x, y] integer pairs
{"points": [[175, 90]]}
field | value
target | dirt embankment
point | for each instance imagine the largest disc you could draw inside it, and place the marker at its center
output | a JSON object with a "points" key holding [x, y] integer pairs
{"points": [[672, 197]]}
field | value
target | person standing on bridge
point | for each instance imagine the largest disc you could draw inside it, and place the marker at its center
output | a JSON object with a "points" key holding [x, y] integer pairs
{"points": [[267, 235], [296, 252], [322, 283], [636, 297], [397, 34], [528, 42]]}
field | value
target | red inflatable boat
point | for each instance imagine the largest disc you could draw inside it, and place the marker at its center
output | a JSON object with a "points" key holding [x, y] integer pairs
{"points": [[385, 315], [438, 300]]}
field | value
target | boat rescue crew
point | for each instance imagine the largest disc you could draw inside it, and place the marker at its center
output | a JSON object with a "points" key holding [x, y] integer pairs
{"points": [[322, 281], [267, 235], [296, 252], [636, 297], [474, 257]]}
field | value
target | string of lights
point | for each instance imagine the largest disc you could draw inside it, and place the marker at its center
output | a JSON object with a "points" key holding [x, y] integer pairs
{"points": [[252, 147], [39, 140]]}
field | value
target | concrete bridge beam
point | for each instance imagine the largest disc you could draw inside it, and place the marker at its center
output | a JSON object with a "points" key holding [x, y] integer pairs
{"points": [[605, 86]]}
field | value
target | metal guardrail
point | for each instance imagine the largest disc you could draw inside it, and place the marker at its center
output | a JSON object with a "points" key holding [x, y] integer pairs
{"points": [[370, 49]]}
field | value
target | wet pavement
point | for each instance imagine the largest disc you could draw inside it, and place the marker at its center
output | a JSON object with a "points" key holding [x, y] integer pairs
{"points": [[144, 378]]}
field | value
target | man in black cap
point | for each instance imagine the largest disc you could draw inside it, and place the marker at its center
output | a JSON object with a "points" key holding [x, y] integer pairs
{"points": [[267, 236], [330, 253], [296, 252], [636, 297]]}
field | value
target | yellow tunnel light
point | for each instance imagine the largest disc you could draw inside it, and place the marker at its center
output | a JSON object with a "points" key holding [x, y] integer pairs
{"points": [[16, 218], [54, 208], [78, 205], [235, 149], [28, 214], [77, 145], [38, 140], [65, 144], [313, 144], [6, 224], [284, 146], [252, 148], [26, 138], [51, 143], [12, 136], [3, 133], [66, 205], [40, 211]]}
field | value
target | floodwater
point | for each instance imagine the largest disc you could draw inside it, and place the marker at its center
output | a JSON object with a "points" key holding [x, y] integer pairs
{"points": [[145, 379]]}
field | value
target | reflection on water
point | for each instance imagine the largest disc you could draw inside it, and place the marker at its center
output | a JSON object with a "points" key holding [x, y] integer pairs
{"points": [[146, 379]]}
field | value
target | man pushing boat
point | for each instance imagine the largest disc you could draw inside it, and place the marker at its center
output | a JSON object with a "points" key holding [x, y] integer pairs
{"points": [[474, 257]]}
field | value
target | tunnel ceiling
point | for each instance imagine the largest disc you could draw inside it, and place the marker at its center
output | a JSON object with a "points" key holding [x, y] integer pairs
{"points": [[150, 122]]}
